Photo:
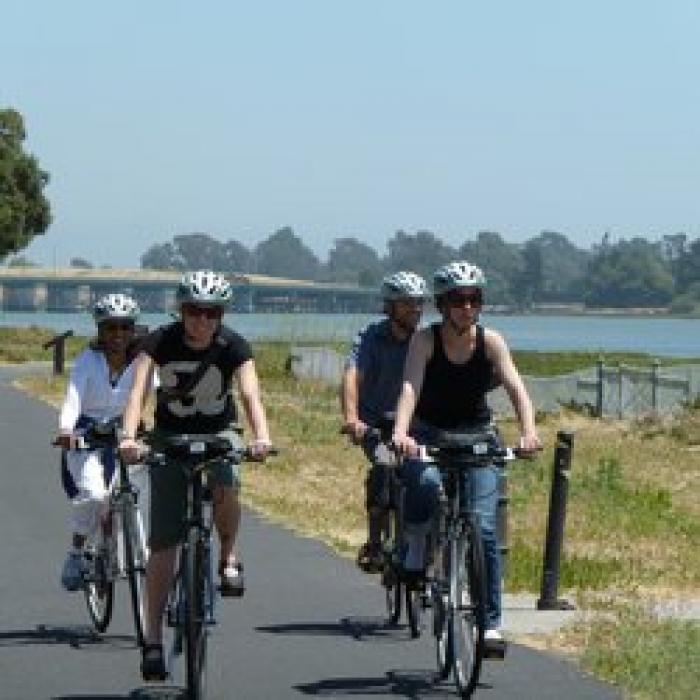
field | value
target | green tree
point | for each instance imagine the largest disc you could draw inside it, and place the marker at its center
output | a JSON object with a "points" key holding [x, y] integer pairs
{"points": [[501, 262], [24, 210], [628, 273], [422, 253], [353, 262], [283, 254]]}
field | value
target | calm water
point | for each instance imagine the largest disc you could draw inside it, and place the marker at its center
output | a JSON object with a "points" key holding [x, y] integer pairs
{"points": [[677, 337]]}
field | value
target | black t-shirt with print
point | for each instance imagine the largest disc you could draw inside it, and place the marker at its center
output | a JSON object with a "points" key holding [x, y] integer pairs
{"points": [[209, 406]]}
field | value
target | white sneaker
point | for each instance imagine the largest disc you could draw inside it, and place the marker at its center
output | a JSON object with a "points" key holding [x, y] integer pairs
{"points": [[494, 635], [74, 570]]}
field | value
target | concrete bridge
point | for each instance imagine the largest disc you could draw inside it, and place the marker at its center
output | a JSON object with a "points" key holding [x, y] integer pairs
{"points": [[74, 289]]}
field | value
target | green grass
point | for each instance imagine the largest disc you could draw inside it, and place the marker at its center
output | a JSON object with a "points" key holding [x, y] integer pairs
{"points": [[26, 344], [650, 658]]}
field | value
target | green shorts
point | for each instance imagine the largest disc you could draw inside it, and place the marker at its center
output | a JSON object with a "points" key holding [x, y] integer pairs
{"points": [[169, 494]]}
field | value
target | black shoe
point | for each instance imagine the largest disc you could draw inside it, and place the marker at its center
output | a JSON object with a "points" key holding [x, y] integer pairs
{"points": [[152, 663], [369, 558], [494, 645], [232, 581]]}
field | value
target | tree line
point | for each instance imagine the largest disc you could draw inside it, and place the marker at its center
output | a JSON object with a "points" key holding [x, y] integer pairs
{"points": [[546, 269]]}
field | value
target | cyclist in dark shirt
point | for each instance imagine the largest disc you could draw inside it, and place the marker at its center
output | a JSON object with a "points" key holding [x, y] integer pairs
{"points": [[449, 369], [180, 351], [370, 387]]}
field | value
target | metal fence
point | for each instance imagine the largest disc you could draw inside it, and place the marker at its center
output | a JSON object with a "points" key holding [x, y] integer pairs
{"points": [[620, 390]]}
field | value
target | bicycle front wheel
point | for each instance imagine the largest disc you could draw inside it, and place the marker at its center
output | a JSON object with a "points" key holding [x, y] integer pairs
{"points": [[390, 579], [468, 617], [99, 582], [135, 565], [195, 610]]}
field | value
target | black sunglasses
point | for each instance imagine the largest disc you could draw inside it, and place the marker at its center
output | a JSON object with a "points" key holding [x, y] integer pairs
{"points": [[112, 326], [211, 312], [458, 299]]}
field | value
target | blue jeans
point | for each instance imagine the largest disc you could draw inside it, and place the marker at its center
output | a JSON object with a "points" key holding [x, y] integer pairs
{"points": [[423, 483]]}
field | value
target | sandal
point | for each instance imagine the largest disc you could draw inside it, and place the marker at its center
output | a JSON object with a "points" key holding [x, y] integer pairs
{"points": [[153, 663]]}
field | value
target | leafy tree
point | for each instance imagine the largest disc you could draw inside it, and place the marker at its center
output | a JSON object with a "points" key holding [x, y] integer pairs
{"points": [[283, 254], [163, 256], [24, 210], [237, 258], [353, 262], [686, 266], [422, 253], [629, 273], [501, 262], [553, 268], [21, 261]]}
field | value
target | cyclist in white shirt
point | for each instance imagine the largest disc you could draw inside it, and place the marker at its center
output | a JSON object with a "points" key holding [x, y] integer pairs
{"points": [[97, 391]]}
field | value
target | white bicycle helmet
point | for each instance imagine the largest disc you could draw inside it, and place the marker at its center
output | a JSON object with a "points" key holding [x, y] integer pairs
{"points": [[403, 285], [204, 287], [455, 275], [113, 306]]}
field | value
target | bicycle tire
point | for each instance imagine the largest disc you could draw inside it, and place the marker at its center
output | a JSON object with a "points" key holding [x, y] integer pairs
{"points": [[135, 561], [469, 614], [99, 586], [195, 632], [441, 627]]}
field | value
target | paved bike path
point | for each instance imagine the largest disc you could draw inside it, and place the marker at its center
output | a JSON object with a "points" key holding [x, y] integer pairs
{"points": [[310, 624]]}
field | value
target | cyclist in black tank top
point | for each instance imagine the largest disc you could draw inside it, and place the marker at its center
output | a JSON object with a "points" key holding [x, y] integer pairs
{"points": [[449, 369], [454, 395]]}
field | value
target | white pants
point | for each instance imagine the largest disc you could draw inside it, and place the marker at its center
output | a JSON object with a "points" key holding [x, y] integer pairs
{"points": [[90, 503]]}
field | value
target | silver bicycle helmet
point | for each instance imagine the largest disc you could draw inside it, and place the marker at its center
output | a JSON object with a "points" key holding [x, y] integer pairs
{"points": [[403, 285], [455, 275], [204, 287], [113, 306]]}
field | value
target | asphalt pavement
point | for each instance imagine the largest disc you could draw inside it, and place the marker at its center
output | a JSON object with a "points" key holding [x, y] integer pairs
{"points": [[309, 625]]}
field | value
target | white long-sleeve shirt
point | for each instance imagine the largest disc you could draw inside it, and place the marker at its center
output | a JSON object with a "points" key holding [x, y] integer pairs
{"points": [[90, 392]]}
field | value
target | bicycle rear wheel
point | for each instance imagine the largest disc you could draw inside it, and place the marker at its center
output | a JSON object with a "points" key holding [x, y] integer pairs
{"points": [[99, 583], [195, 610], [468, 620], [135, 564]]}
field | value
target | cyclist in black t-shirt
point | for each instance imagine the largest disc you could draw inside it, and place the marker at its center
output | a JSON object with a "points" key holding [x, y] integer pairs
{"points": [[197, 359]]}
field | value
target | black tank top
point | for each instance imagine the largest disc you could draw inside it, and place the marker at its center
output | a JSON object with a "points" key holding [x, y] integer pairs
{"points": [[454, 395]]}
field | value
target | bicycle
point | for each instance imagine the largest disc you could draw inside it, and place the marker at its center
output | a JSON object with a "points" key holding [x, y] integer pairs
{"points": [[191, 602], [457, 587], [118, 549]]}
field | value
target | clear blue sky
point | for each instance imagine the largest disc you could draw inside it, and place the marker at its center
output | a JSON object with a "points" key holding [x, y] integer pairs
{"points": [[359, 118]]}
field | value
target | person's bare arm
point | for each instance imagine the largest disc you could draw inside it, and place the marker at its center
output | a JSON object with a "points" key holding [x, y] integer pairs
{"points": [[506, 371], [419, 351], [143, 371], [249, 390], [349, 401]]}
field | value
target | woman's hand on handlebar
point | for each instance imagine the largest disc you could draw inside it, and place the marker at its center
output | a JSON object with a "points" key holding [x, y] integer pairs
{"points": [[259, 449], [130, 450], [355, 430], [68, 441], [528, 445], [405, 445]]}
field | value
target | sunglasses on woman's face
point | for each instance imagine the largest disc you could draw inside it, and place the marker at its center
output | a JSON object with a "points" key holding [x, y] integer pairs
{"points": [[114, 326], [463, 299], [211, 312]]}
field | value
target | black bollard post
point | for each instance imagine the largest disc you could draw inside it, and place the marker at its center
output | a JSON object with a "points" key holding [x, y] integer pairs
{"points": [[555, 525], [58, 343]]}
